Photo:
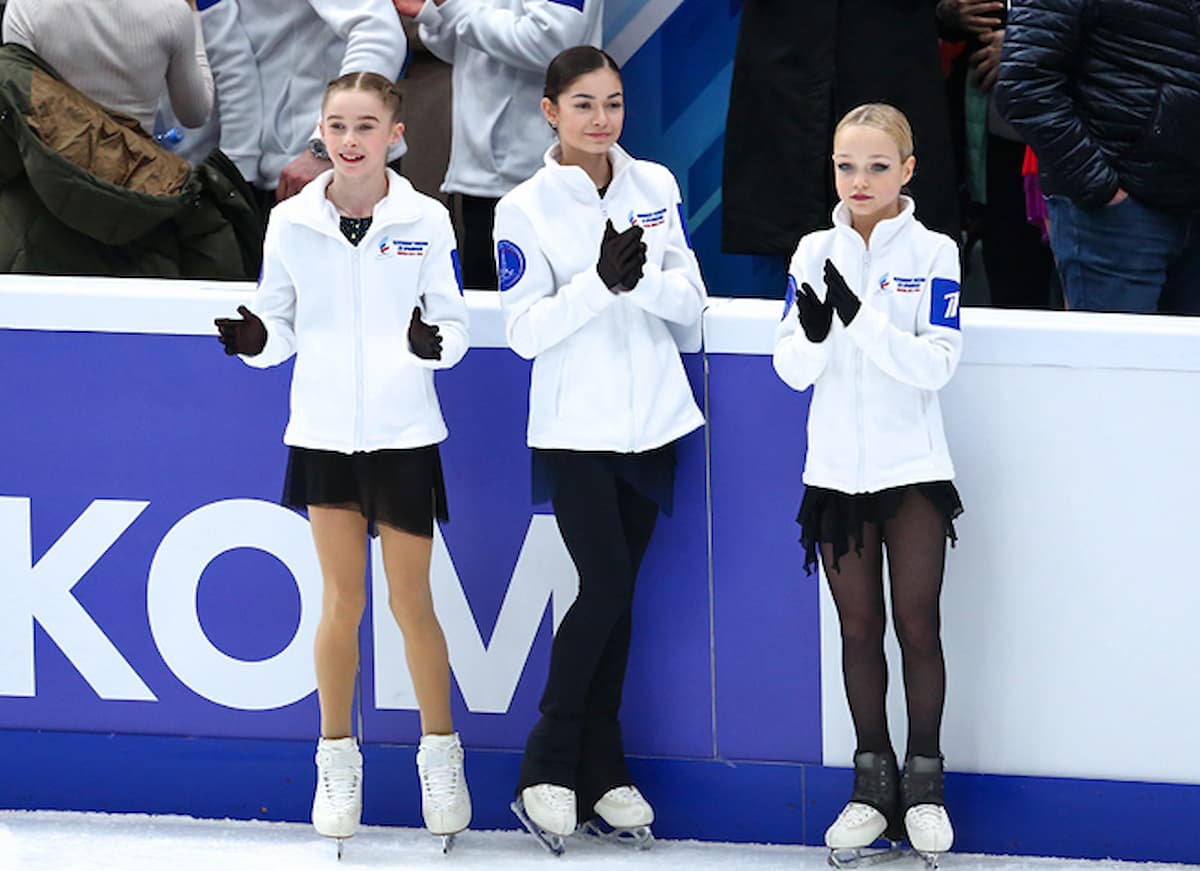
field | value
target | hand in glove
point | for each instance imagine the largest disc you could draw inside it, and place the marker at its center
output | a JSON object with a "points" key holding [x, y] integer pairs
{"points": [[245, 335], [622, 256], [844, 300], [815, 316], [424, 339]]}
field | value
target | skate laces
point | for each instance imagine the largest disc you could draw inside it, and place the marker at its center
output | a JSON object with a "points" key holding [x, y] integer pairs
{"points": [[925, 816], [557, 798], [339, 784], [856, 814], [626, 795], [439, 770]]}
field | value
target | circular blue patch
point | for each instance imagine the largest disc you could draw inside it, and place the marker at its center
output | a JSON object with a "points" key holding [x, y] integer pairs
{"points": [[510, 264]]}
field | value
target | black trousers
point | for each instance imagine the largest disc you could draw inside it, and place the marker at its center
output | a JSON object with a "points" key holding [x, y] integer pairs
{"points": [[606, 525], [475, 218]]}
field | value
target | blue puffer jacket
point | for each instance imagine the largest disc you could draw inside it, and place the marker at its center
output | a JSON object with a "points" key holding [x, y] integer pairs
{"points": [[1108, 94]]}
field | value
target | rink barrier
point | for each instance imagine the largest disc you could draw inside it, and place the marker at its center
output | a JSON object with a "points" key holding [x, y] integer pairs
{"points": [[154, 654]]}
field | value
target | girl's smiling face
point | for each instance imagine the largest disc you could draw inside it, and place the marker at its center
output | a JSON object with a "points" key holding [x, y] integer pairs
{"points": [[589, 113], [358, 129], [869, 172]]}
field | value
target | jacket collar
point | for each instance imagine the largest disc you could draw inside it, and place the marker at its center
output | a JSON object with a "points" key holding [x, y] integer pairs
{"points": [[576, 180], [885, 231], [313, 209]]}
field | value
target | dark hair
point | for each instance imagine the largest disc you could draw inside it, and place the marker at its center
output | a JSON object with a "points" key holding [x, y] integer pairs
{"points": [[383, 87], [572, 63]]}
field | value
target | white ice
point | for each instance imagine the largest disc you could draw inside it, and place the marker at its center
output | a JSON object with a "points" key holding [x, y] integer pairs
{"points": [[53, 841]]}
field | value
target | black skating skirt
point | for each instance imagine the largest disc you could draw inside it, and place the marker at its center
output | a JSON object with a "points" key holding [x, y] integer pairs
{"points": [[401, 488], [836, 518]]}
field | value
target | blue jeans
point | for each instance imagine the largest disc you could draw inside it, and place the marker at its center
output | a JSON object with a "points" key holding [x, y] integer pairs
{"points": [[1126, 258]]}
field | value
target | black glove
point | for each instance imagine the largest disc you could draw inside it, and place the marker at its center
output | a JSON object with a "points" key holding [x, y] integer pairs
{"points": [[245, 335], [424, 339], [622, 256], [844, 300], [815, 316]]}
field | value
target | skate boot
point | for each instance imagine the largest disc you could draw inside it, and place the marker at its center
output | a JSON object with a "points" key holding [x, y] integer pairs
{"points": [[337, 805], [623, 816], [869, 814], [445, 802], [548, 812], [925, 817]]}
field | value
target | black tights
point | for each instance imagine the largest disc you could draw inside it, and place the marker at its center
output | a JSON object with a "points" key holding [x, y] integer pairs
{"points": [[916, 548]]}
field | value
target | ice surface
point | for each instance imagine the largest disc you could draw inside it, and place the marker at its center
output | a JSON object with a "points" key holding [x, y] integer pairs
{"points": [[55, 841]]}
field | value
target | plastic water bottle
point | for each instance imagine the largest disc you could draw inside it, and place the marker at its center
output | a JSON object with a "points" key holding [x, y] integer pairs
{"points": [[169, 139]]}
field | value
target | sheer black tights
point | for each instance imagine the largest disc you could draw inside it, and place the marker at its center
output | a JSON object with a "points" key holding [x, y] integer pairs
{"points": [[915, 540]]}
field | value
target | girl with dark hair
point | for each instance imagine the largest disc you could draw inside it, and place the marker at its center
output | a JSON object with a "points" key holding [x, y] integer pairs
{"points": [[876, 346], [360, 275], [597, 281]]}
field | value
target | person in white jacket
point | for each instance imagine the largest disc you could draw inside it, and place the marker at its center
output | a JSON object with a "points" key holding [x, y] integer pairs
{"points": [[596, 278], [300, 45], [360, 282], [499, 50], [235, 125], [875, 347]]}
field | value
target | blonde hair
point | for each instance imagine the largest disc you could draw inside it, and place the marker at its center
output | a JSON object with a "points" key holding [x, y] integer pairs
{"points": [[885, 118], [382, 86]]}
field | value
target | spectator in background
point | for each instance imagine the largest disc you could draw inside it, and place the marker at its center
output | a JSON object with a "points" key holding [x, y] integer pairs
{"points": [[121, 54], [797, 69], [1017, 261], [500, 50], [300, 46], [1108, 94], [235, 125]]}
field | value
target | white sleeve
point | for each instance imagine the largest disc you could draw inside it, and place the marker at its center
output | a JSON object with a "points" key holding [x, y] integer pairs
{"points": [[374, 36], [274, 302], [189, 80], [537, 314], [927, 359], [437, 32], [529, 39], [239, 89], [799, 362], [674, 290], [17, 26], [442, 303]]}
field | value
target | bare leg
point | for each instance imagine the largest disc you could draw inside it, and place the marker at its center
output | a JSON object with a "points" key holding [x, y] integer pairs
{"points": [[406, 562], [340, 535]]}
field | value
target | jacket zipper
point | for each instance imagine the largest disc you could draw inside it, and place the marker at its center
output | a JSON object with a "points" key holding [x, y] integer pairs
{"points": [[356, 287], [625, 317], [860, 380]]}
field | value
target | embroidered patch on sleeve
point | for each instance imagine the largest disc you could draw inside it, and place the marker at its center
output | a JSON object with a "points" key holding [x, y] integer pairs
{"points": [[574, 4], [943, 302], [510, 264]]}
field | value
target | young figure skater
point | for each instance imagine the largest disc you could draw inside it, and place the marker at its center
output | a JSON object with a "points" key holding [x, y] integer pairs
{"points": [[360, 282], [876, 346], [595, 267]]}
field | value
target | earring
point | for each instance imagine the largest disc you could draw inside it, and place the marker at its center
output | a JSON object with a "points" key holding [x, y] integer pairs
{"points": [[553, 126]]}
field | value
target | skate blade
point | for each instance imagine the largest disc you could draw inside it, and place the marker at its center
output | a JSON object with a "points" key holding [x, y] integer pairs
{"points": [[865, 857], [341, 844], [930, 858], [552, 842], [638, 837], [447, 843]]}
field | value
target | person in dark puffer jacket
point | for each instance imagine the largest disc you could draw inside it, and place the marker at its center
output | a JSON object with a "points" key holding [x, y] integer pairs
{"points": [[1108, 94]]}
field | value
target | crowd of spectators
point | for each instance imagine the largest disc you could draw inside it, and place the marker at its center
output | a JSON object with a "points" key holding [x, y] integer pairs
{"points": [[1055, 135]]}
